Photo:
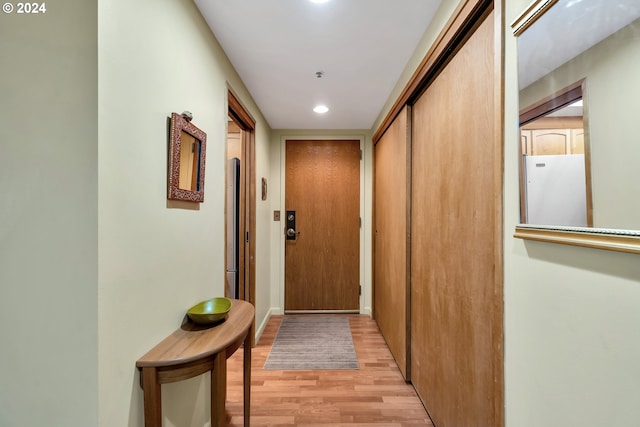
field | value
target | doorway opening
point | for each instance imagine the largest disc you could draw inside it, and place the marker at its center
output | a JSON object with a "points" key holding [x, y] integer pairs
{"points": [[240, 216]]}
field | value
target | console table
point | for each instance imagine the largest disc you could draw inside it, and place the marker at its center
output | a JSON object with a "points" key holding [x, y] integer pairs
{"points": [[193, 350]]}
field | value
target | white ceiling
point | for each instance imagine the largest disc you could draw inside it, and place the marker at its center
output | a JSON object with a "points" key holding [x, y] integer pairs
{"points": [[277, 46]]}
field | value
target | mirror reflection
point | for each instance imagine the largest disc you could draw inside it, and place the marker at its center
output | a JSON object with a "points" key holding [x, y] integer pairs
{"points": [[594, 45], [190, 149], [556, 189]]}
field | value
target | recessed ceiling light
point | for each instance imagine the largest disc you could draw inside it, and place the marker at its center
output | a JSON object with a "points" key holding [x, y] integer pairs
{"points": [[321, 109], [318, 1]]}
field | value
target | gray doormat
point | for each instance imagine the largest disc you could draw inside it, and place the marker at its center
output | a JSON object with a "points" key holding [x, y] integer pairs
{"points": [[309, 342]]}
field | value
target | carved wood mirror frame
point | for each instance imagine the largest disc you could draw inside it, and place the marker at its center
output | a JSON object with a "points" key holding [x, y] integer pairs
{"points": [[181, 130]]}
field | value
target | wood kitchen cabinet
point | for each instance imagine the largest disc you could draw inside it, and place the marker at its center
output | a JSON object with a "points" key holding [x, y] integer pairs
{"points": [[553, 137]]}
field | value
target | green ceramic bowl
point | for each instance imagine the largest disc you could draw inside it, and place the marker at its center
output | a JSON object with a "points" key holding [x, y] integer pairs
{"points": [[210, 311]]}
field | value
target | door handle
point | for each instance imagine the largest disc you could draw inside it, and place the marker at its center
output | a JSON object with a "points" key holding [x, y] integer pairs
{"points": [[291, 225]]}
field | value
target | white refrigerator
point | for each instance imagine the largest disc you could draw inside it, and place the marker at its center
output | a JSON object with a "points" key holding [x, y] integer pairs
{"points": [[555, 190]]}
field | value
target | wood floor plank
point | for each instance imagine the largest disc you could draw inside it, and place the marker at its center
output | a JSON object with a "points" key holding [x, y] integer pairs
{"points": [[374, 395]]}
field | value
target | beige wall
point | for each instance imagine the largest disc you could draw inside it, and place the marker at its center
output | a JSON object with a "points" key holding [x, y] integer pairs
{"points": [[48, 217], [610, 68], [571, 313], [158, 258]]}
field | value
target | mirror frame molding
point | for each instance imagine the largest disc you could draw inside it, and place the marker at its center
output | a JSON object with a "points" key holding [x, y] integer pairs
{"points": [[180, 123], [598, 238], [530, 15]]}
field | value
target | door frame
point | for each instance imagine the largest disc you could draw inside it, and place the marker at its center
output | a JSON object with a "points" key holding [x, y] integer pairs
{"points": [[247, 249], [366, 289]]}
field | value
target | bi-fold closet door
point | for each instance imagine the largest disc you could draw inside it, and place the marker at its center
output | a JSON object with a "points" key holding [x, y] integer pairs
{"points": [[451, 231]]}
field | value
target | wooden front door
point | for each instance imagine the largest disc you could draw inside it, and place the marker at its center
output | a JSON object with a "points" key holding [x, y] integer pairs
{"points": [[322, 259]]}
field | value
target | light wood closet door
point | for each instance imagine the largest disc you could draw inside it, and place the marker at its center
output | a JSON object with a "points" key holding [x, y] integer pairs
{"points": [[455, 239], [391, 239]]}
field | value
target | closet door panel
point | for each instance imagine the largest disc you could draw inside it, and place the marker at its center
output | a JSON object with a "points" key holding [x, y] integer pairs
{"points": [[391, 239], [454, 241]]}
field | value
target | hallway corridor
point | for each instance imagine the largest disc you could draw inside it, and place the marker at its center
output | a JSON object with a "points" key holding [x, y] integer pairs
{"points": [[374, 395]]}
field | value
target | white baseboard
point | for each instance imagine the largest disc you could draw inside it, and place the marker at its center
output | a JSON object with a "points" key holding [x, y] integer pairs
{"points": [[263, 323], [275, 311]]}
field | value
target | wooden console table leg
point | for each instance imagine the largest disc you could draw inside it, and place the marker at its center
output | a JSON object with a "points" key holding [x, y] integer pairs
{"points": [[152, 398], [246, 386], [219, 390]]}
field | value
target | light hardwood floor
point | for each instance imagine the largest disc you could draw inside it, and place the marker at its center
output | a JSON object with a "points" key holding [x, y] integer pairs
{"points": [[374, 395]]}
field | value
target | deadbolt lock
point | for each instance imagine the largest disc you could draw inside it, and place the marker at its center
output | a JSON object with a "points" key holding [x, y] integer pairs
{"points": [[290, 225]]}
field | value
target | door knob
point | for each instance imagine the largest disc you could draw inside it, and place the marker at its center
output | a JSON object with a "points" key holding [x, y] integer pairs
{"points": [[290, 226]]}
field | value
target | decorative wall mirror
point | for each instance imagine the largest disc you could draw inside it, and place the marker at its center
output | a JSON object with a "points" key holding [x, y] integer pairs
{"points": [[187, 147], [591, 47]]}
